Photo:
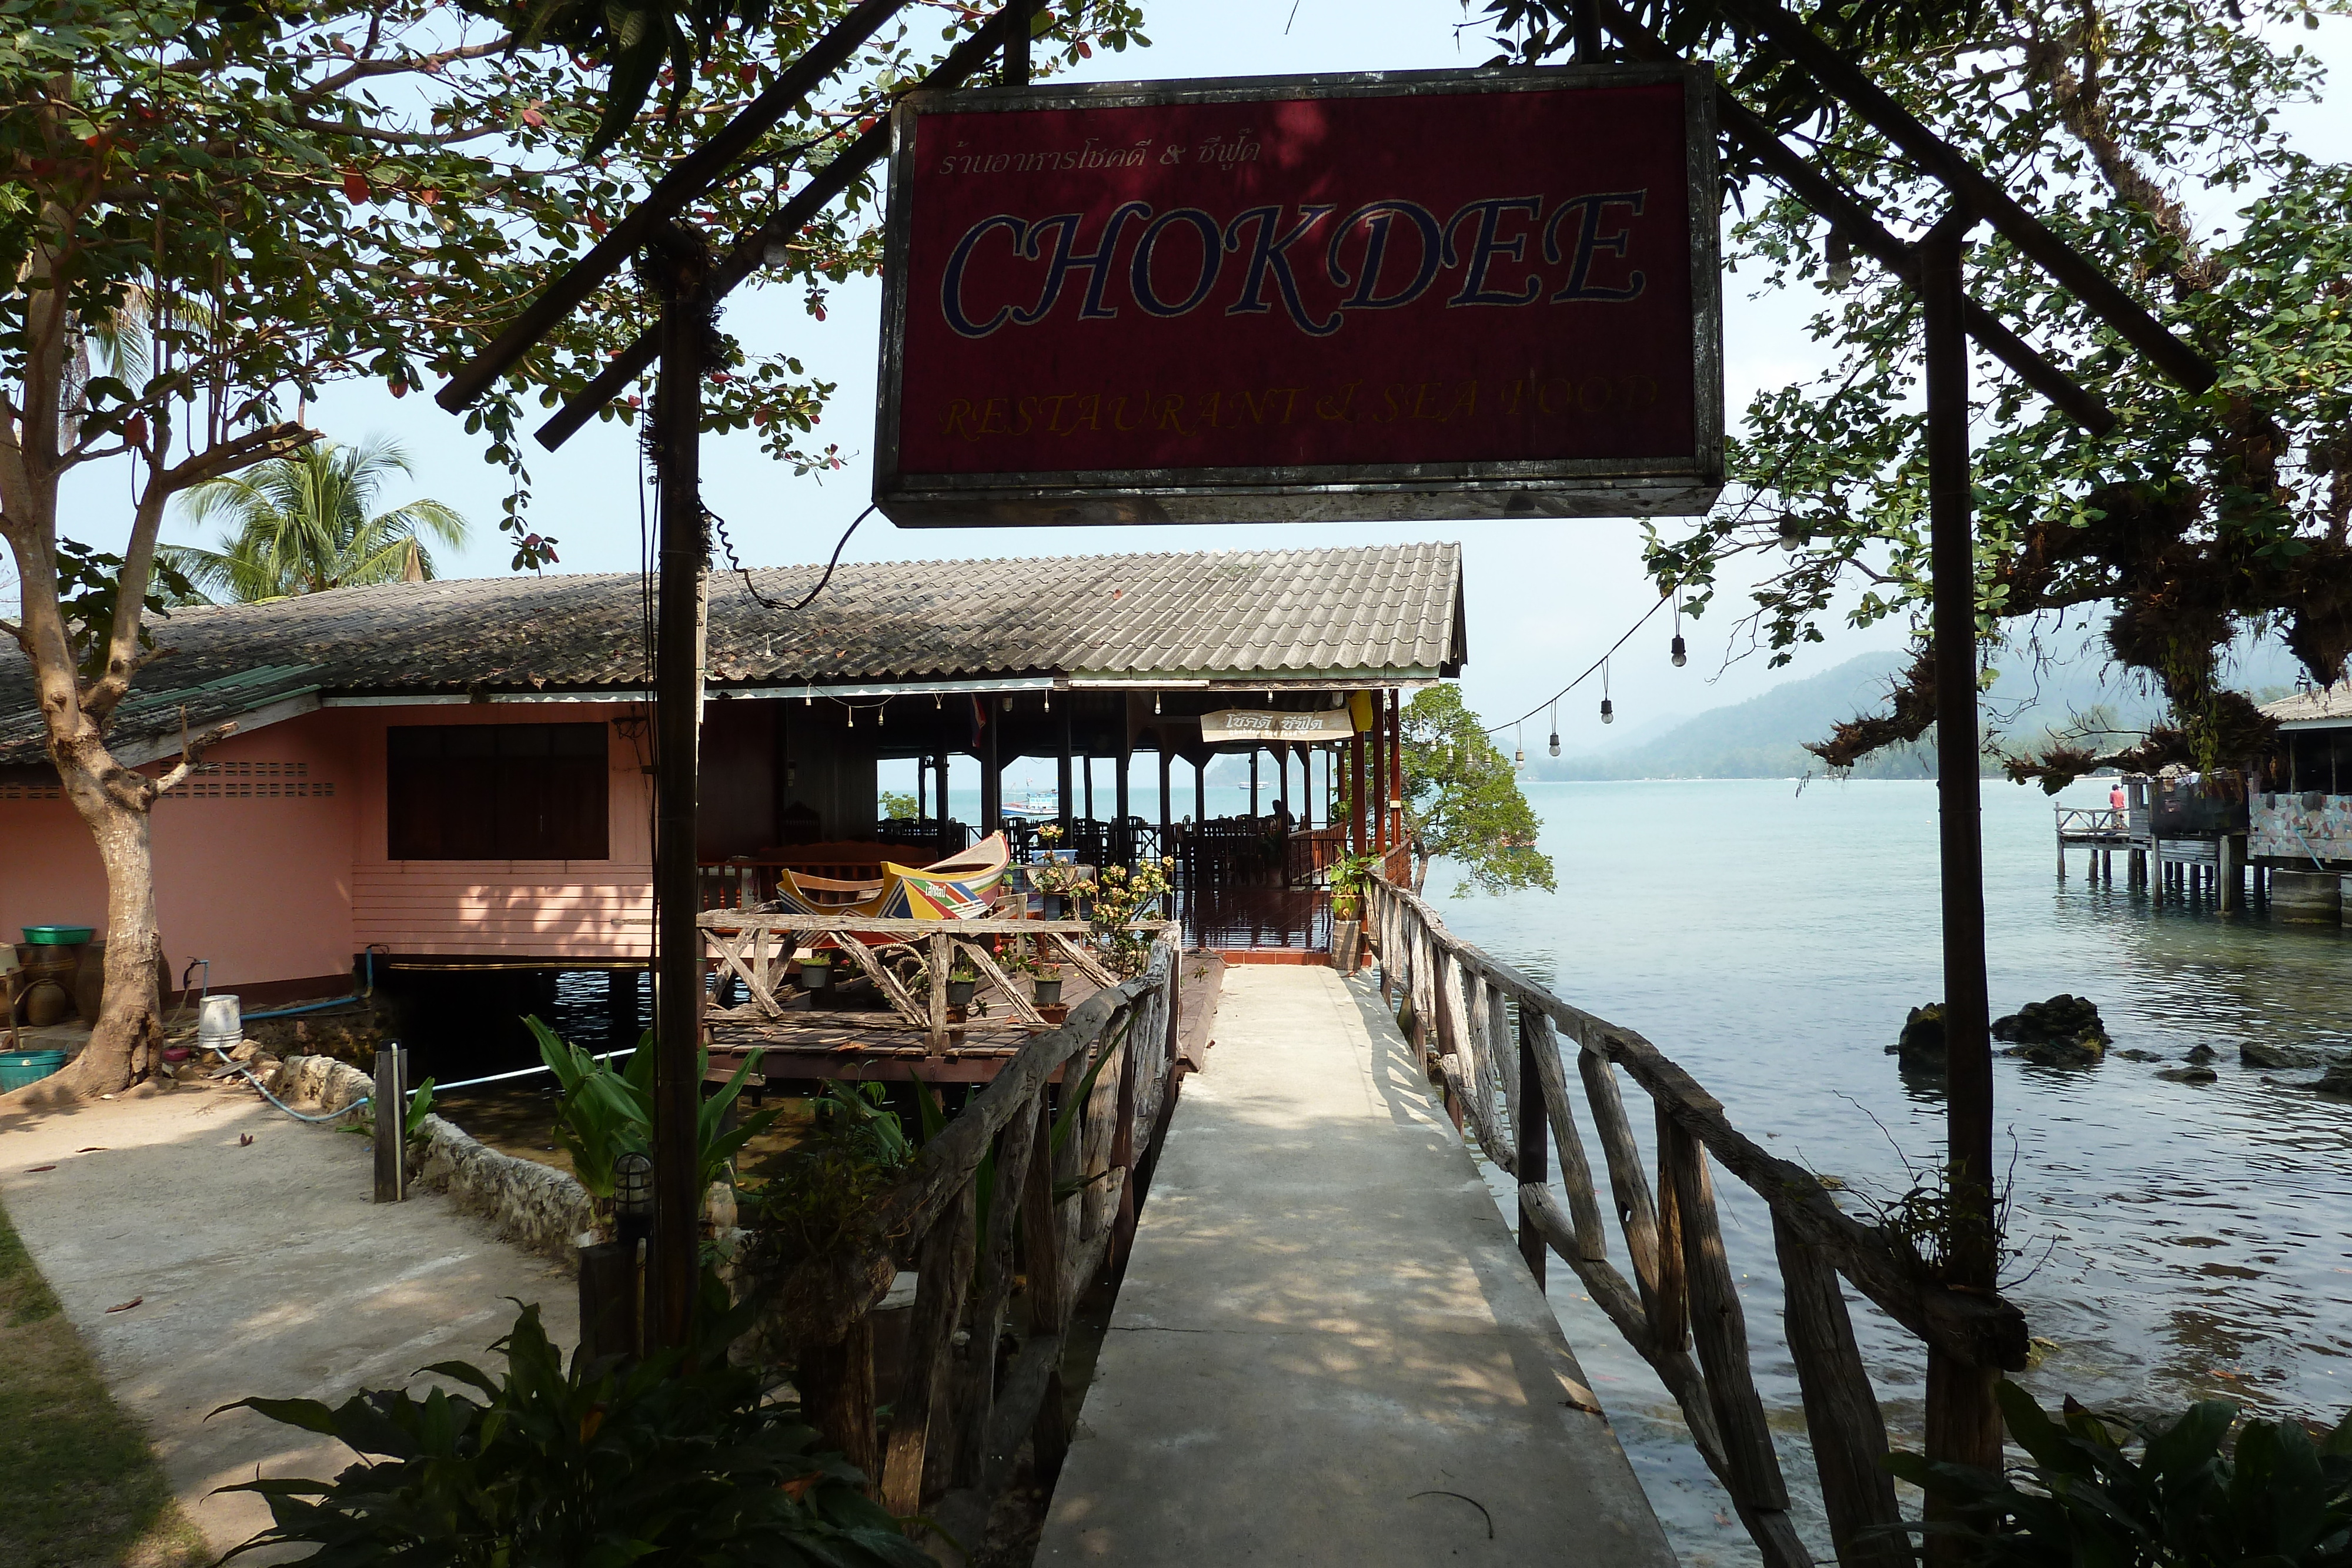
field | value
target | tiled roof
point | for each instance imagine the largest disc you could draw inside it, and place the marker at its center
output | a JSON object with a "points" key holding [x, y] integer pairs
{"points": [[2321, 704], [1302, 615]]}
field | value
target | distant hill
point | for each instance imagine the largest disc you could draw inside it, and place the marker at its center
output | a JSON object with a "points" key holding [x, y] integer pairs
{"points": [[1765, 736]]}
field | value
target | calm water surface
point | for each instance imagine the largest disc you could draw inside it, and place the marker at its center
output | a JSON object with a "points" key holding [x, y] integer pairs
{"points": [[2180, 1241]]}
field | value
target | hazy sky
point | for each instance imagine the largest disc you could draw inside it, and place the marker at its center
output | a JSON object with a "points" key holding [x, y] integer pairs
{"points": [[1544, 598]]}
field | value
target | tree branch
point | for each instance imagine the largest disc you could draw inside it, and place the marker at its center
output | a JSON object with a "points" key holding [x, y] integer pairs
{"points": [[192, 751]]}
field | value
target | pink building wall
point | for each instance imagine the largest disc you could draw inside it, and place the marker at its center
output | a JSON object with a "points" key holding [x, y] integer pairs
{"points": [[252, 864], [274, 867]]}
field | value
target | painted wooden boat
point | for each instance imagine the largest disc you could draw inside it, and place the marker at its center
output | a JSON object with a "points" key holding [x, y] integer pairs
{"points": [[960, 887]]}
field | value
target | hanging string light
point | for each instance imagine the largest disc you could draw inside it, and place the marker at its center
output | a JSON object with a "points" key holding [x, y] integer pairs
{"points": [[1608, 709], [1155, 705], [1681, 655], [1519, 758], [1555, 728], [881, 713]]}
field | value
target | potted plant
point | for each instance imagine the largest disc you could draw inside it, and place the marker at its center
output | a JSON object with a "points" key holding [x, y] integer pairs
{"points": [[962, 979], [1049, 985], [1349, 875], [816, 971]]}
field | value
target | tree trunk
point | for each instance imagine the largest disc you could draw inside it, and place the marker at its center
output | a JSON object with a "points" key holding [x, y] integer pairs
{"points": [[124, 1043]]}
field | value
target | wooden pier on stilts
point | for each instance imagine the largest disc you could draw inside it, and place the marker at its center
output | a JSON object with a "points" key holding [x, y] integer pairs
{"points": [[2176, 842]]}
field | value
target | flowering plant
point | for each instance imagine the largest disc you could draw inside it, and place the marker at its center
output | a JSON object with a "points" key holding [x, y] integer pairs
{"points": [[1117, 898]]}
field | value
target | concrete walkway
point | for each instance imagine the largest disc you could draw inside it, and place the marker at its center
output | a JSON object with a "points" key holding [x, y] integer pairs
{"points": [[1326, 1349], [259, 1269]]}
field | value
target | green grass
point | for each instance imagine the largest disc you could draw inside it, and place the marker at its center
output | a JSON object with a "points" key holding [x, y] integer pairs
{"points": [[78, 1485]]}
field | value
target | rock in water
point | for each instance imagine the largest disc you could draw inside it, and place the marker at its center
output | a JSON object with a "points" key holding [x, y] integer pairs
{"points": [[2338, 1084], [2064, 1031], [1920, 1047], [2189, 1074], [2255, 1054], [2200, 1054]]}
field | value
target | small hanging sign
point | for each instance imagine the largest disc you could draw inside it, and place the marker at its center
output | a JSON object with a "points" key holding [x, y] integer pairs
{"points": [[1412, 295], [1269, 725]]}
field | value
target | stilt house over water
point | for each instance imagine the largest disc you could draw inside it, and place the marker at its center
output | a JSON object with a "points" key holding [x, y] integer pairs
{"points": [[459, 773]]}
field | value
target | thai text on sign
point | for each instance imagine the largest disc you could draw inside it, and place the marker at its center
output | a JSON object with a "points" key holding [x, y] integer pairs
{"points": [[1267, 723], [1485, 281]]}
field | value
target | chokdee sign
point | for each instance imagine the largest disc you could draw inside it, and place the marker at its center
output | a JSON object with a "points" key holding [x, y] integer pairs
{"points": [[1426, 294]]}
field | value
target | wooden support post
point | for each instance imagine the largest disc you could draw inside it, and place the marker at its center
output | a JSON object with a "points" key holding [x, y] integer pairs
{"points": [[1357, 840], [1200, 793], [1963, 1424], [1120, 797], [991, 771], [1063, 799], [1636, 1209], [683, 261], [1529, 1127], [391, 1107], [1253, 757], [1392, 799], [1041, 1231], [1376, 801], [1167, 812]]}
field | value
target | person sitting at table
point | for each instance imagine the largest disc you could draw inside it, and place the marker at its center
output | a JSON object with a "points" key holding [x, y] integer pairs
{"points": [[1281, 820]]}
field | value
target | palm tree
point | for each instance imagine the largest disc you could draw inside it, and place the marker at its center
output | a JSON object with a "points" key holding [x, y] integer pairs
{"points": [[301, 525]]}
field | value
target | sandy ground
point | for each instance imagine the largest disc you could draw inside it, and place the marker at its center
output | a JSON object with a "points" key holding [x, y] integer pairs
{"points": [[259, 1268]]}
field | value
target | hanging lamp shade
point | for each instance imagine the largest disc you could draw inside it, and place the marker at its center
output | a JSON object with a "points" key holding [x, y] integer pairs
{"points": [[1681, 655], [1608, 711]]}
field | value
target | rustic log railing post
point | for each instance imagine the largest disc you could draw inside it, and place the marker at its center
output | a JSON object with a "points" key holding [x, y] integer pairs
{"points": [[1669, 1313], [1842, 1414], [1534, 1168], [1684, 1298], [939, 950], [943, 1268]]}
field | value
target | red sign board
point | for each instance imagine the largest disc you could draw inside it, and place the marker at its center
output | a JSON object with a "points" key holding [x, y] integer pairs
{"points": [[1432, 295]]}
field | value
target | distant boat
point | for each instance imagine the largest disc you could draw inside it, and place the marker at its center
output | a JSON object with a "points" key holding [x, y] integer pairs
{"points": [[1033, 808]]}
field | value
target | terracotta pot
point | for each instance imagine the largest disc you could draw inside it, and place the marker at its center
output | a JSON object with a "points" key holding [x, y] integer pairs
{"points": [[46, 1004], [1053, 1013]]}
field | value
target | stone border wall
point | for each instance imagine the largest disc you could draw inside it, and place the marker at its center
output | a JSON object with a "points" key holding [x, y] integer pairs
{"points": [[532, 1205]]}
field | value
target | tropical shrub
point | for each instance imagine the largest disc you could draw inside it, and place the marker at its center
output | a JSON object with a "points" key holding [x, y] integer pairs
{"points": [[678, 1459], [604, 1113], [2111, 1493]]}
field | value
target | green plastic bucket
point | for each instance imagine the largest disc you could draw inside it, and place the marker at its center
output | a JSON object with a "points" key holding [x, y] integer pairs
{"points": [[59, 936], [22, 1069]]}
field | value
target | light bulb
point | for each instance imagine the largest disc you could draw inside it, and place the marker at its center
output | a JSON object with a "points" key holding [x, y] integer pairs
{"points": [[1155, 703], [1555, 743], [1681, 655], [1608, 711], [1519, 758], [775, 252], [881, 713], [853, 717], [1049, 699]]}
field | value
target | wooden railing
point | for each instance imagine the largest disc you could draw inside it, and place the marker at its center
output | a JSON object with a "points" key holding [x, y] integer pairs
{"points": [[1491, 1030], [755, 949], [1055, 1213]]}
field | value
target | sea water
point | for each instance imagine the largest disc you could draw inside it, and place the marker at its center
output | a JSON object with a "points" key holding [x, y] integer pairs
{"points": [[2175, 1241]]}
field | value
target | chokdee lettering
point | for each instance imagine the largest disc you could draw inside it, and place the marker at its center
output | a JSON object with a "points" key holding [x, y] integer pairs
{"points": [[1517, 251]]}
